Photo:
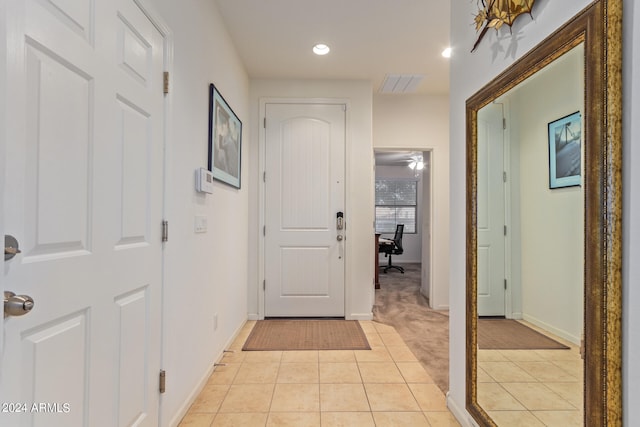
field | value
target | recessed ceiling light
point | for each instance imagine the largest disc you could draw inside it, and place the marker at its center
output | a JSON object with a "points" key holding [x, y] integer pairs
{"points": [[321, 49], [447, 52]]}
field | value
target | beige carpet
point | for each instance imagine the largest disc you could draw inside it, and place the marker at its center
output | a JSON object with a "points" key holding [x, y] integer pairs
{"points": [[288, 334], [400, 304], [507, 334]]}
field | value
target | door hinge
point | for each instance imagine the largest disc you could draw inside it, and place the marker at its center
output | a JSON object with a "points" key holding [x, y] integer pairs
{"points": [[264, 230], [504, 123], [163, 381], [264, 123], [505, 230], [505, 284], [165, 231], [504, 176], [264, 285], [165, 82], [264, 176]]}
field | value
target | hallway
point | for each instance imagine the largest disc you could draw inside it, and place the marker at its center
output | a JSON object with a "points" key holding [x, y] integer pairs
{"points": [[384, 386], [400, 304]]}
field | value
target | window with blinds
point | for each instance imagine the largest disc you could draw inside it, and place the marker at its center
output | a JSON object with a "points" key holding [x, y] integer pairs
{"points": [[396, 203]]}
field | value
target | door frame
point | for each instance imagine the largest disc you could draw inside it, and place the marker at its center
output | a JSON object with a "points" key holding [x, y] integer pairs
{"points": [[262, 154], [512, 251], [513, 292], [430, 212], [168, 42], [3, 137]]}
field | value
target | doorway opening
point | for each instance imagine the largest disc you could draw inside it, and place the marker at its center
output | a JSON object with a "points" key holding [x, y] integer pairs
{"points": [[403, 182], [404, 300]]}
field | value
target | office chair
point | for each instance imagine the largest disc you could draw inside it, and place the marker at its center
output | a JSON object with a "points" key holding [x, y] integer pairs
{"points": [[395, 249]]}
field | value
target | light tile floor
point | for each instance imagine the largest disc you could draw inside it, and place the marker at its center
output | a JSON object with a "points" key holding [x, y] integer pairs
{"points": [[532, 387], [384, 386]]}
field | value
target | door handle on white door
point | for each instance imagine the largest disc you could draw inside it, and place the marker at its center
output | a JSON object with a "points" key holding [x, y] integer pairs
{"points": [[17, 305], [340, 237]]}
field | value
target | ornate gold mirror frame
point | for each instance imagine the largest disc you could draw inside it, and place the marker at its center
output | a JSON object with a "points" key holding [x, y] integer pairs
{"points": [[599, 28]]}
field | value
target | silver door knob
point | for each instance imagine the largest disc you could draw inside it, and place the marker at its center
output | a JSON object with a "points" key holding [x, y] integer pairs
{"points": [[17, 305], [339, 237]]}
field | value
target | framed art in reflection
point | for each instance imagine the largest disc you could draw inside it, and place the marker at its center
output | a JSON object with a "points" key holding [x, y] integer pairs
{"points": [[565, 153]]}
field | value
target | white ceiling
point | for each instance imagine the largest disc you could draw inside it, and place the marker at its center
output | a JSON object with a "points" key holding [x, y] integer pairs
{"points": [[368, 38]]}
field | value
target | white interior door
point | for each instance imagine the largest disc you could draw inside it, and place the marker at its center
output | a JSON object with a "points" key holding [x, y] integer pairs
{"points": [[305, 163], [83, 196], [491, 212]]}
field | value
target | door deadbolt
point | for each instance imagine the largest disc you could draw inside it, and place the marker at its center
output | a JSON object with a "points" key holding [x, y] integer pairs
{"points": [[17, 305], [340, 220], [10, 247]]}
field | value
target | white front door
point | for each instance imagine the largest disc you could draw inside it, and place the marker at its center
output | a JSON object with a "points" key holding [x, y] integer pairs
{"points": [[491, 212], [83, 196], [305, 164]]}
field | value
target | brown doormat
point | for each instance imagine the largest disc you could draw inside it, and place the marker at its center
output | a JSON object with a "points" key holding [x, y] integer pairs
{"points": [[306, 335], [507, 334]]}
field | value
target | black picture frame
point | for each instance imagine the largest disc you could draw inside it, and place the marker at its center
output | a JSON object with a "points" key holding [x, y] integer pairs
{"points": [[565, 151], [225, 140]]}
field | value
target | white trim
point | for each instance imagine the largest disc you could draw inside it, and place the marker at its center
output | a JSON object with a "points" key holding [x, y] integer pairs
{"points": [[3, 136], [184, 408], [460, 414], [359, 316], [262, 191], [508, 239], [168, 54], [552, 329], [432, 217]]}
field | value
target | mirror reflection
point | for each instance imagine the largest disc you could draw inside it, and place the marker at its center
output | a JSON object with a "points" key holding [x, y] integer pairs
{"points": [[530, 248]]}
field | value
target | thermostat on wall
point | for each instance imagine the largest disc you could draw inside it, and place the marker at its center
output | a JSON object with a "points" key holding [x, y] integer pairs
{"points": [[204, 180]]}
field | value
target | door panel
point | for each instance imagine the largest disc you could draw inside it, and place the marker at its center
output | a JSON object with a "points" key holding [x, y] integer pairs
{"points": [[303, 271], [304, 261], [57, 103], [491, 212], [83, 196], [45, 348]]}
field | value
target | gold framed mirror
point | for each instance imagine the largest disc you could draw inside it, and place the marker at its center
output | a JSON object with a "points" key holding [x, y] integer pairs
{"points": [[594, 36]]}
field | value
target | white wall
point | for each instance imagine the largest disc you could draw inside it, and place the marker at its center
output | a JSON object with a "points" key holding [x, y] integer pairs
{"points": [[551, 220], [359, 172], [419, 123], [411, 242], [471, 71], [203, 277]]}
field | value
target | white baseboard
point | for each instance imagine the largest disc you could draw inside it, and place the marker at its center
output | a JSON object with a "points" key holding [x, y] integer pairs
{"points": [[460, 414], [359, 316], [184, 408], [547, 327]]}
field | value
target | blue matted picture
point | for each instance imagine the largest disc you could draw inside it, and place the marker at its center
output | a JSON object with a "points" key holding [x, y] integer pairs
{"points": [[225, 140], [565, 153]]}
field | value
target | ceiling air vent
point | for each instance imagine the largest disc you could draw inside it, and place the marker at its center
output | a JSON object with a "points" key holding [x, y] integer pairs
{"points": [[401, 83]]}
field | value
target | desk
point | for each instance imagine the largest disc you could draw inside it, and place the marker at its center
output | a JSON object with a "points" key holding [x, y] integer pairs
{"points": [[380, 241]]}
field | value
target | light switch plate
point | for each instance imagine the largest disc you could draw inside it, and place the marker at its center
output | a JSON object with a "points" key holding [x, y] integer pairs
{"points": [[200, 224]]}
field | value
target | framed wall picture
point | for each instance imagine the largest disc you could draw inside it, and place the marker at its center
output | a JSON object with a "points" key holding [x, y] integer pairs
{"points": [[225, 140], [565, 152]]}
